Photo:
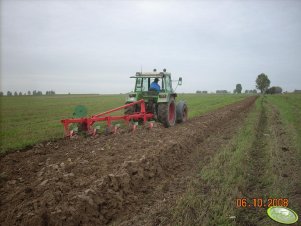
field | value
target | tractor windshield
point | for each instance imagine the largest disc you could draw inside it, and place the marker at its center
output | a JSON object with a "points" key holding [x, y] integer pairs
{"points": [[143, 84]]}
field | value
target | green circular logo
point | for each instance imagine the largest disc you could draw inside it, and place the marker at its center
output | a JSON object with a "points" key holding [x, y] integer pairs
{"points": [[282, 215]]}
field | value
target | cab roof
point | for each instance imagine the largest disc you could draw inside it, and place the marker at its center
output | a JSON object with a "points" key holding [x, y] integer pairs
{"points": [[150, 74]]}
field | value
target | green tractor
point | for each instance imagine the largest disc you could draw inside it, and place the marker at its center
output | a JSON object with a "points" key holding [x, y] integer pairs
{"points": [[162, 103]]}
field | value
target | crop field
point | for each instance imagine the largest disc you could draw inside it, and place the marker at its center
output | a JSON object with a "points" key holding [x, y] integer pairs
{"points": [[27, 120], [236, 156]]}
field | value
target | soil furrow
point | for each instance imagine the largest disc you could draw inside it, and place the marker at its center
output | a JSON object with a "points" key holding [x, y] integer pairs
{"points": [[256, 168], [155, 207]]}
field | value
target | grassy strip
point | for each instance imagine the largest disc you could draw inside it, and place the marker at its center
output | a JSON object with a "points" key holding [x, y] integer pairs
{"points": [[27, 120], [289, 106], [259, 162], [259, 179], [211, 198], [285, 143]]}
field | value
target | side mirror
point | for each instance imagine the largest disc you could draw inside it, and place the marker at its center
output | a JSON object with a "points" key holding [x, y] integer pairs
{"points": [[180, 81]]}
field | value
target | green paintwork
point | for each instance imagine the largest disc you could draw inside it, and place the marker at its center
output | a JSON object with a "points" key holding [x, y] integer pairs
{"points": [[80, 111]]}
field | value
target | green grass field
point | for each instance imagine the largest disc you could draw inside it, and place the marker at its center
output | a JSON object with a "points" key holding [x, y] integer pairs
{"points": [[27, 120]]}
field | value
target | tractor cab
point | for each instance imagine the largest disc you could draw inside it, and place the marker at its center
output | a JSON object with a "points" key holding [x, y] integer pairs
{"points": [[142, 87], [143, 81]]}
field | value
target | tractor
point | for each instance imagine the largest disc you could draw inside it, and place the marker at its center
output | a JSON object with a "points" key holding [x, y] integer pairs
{"points": [[143, 105], [161, 103]]}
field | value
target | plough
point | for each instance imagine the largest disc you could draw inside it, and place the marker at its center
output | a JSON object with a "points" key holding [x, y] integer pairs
{"points": [[86, 123]]}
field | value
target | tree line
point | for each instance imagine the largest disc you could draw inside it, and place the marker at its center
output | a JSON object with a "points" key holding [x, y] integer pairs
{"points": [[28, 93], [251, 91], [263, 84]]}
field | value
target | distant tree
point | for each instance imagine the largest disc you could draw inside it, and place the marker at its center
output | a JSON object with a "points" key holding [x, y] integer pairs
{"points": [[238, 88], [274, 90], [51, 92], [199, 91], [221, 91], [15, 93], [37, 93], [28, 93], [262, 82], [20, 94], [9, 93], [1, 93], [278, 89], [250, 91], [270, 91], [234, 91]]}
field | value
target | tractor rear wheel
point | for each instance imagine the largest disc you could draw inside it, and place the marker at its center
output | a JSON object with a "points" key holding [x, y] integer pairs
{"points": [[167, 113]]}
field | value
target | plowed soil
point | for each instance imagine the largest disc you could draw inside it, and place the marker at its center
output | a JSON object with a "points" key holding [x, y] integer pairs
{"points": [[124, 179]]}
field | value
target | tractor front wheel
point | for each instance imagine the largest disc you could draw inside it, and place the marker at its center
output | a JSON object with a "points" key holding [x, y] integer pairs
{"points": [[167, 113], [182, 112], [129, 110]]}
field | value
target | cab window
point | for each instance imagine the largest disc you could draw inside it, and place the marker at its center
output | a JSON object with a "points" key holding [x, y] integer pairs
{"points": [[168, 86], [141, 85]]}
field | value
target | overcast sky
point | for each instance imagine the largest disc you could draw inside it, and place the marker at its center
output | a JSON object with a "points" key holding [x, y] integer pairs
{"points": [[95, 46]]}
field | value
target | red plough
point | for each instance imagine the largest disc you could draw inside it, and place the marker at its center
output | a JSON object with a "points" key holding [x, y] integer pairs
{"points": [[86, 123]]}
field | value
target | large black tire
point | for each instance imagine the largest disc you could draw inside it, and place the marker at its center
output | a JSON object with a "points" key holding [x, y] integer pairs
{"points": [[182, 112], [167, 113]]}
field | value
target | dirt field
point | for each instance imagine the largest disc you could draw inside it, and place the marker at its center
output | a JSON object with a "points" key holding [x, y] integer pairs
{"points": [[123, 179]]}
